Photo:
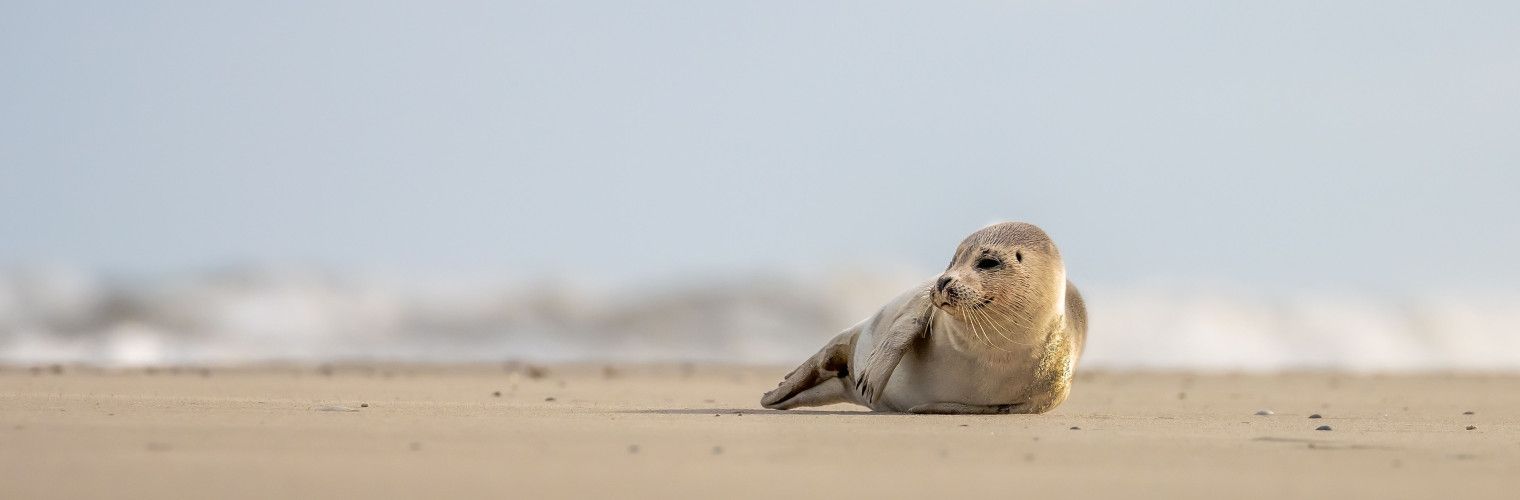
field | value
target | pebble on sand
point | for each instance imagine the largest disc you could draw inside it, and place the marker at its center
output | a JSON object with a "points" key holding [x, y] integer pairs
{"points": [[1075, 428], [551, 398], [1322, 428], [1264, 412], [1468, 412], [496, 394], [1316, 415], [1472, 427], [334, 408], [364, 405]]}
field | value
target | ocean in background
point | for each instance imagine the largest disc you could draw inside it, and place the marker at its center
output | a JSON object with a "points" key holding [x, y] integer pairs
{"points": [[254, 315]]}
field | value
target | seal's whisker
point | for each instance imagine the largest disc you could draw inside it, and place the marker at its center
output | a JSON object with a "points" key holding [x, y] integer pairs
{"points": [[971, 324], [986, 335], [1006, 319]]}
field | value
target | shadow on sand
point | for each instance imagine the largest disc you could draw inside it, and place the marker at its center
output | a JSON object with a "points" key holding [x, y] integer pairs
{"points": [[752, 411]]}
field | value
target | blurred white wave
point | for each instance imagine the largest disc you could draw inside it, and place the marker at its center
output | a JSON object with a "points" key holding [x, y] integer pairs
{"points": [[58, 315]]}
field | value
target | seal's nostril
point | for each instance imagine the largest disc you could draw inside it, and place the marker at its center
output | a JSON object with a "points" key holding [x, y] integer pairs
{"points": [[943, 282]]}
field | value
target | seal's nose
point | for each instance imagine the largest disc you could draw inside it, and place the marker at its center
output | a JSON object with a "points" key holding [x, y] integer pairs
{"points": [[944, 281]]}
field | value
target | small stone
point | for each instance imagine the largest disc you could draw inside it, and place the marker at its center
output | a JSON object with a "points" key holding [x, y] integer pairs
{"points": [[364, 405], [550, 398], [334, 408], [1316, 415], [1468, 412], [496, 394], [1472, 427], [964, 425], [1075, 428], [1322, 428], [1264, 412]]}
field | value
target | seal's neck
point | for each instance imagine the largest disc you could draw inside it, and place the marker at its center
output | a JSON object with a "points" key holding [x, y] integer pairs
{"points": [[993, 332]]}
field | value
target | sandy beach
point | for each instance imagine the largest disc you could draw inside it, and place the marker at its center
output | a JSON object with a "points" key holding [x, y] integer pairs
{"points": [[695, 431]]}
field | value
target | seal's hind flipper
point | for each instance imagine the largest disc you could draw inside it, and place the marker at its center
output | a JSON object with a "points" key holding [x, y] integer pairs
{"points": [[829, 364]]}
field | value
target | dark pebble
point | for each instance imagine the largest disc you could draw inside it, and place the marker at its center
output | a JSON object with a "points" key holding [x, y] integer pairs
{"points": [[1075, 428], [1316, 415], [963, 425], [1322, 428], [1469, 412], [1263, 412], [551, 398], [364, 405], [1472, 427], [496, 394]]}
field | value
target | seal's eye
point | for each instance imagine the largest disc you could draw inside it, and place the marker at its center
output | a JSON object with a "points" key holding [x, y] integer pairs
{"points": [[987, 263]]}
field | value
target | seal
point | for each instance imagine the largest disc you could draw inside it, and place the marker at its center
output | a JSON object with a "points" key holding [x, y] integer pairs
{"points": [[1000, 331]]}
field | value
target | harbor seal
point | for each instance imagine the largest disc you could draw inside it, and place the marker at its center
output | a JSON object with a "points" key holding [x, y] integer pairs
{"points": [[1000, 331]]}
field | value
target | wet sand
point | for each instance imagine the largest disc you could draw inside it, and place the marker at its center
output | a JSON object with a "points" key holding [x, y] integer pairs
{"points": [[697, 431]]}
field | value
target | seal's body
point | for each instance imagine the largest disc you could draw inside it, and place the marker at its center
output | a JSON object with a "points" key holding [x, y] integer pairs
{"points": [[999, 331]]}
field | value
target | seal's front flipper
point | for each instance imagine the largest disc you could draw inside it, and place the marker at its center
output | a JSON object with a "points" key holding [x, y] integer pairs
{"points": [[828, 365], [965, 409], [889, 350]]}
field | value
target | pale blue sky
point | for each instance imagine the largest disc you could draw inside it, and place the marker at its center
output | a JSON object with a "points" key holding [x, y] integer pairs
{"points": [[1277, 144]]}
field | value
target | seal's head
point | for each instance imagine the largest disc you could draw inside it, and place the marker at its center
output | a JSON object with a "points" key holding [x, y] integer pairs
{"points": [[1006, 272]]}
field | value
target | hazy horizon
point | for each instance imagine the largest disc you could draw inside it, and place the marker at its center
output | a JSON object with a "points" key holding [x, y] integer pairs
{"points": [[1360, 145]]}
